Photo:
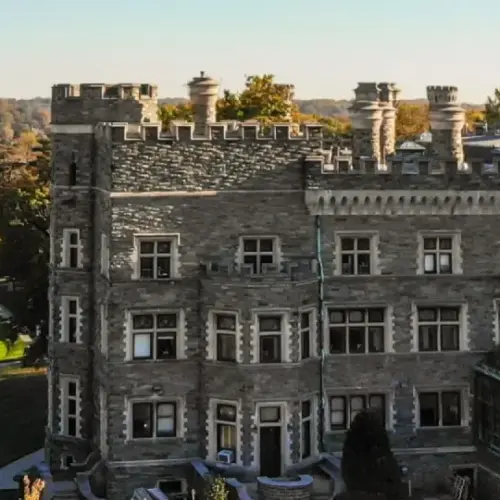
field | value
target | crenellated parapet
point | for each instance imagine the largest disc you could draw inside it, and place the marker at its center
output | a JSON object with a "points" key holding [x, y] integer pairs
{"points": [[91, 103], [218, 131]]}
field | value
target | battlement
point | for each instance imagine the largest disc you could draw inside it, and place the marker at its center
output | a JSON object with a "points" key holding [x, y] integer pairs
{"points": [[97, 91], [219, 131], [442, 94], [367, 91]]}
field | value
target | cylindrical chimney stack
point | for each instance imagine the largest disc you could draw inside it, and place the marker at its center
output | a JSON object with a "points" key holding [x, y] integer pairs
{"points": [[388, 101], [203, 92]]}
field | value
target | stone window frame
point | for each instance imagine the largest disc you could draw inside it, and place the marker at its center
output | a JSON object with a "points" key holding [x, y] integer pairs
{"points": [[463, 332], [65, 317], [68, 247], [347, 394], [212, 428], [464, 392], [180, 406], [105, 256], [103, 422], [388, 326], [212, 334], [374, 242], [175, 241], [286, 337], [63, 461], [64, 397], [456, 252], [313, 331], [312, 418], [104, 327], [276, 252], [180, 335], [496, 321]]}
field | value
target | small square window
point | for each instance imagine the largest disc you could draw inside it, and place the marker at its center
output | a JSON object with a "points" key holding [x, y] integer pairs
{"points": [[439, 328], [157, 259], [355, 255], [259, 252], [438, 254]]}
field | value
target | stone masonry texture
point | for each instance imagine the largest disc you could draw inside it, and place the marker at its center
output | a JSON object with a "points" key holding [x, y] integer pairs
{"points": [[211, 193]]}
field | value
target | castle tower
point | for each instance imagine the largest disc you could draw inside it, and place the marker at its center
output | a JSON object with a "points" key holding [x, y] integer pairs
{"points": [[447, 119], [289, 91], [366, 116], [203, 92], [389, 99]]}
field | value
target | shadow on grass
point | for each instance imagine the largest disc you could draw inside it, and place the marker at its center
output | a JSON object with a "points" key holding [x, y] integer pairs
{"points": [[23, 414]]}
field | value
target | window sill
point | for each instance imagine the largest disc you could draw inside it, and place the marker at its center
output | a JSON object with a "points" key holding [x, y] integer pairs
{"points": [[173, 439], [157, 280], [159, 361], [442, 427], [340, 432], [442, 352], [344, 354]]}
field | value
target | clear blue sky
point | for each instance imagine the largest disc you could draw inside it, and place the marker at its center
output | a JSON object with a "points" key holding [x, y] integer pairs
{"points": [[322, 46]]}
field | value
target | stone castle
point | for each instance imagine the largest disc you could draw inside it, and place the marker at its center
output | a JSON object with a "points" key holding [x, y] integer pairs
{"points": [[237, 296]]}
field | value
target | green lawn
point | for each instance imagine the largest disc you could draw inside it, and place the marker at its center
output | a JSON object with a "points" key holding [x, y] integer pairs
{"points": [[23, 412]]}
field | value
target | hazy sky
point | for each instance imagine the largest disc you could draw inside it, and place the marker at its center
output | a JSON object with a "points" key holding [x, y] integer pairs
{"points": [[322, 46]]}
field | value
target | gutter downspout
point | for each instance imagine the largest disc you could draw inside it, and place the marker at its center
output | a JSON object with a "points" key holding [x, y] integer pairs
{"points": [[321, 281]]}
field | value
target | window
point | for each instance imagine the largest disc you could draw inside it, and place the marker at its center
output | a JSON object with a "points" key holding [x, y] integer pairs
{"points": [[306, 429], [270, 338], [355, 255], [487, 411], [440, 409], [104, 255], [154, 420], [155, 336], [226, 428], [72, 170], [66, 461], [357, 331], [306, 334], [71, 248], [70, 407], [225, 332], [437, 254], [156, 259], [104, 328], [438, 328], [343, 409], [257, 252], [70, 320], [172, 488]]}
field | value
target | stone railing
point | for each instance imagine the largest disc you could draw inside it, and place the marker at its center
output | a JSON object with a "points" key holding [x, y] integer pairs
{"points": [[298, 488]]}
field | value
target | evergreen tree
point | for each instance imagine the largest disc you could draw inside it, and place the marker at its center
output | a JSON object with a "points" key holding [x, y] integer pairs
{"points": [[369, 468]]}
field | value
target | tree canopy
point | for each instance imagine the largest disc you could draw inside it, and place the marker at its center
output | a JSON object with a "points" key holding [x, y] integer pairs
{"points": [[368, 465], [411, 121], [492, 109]]}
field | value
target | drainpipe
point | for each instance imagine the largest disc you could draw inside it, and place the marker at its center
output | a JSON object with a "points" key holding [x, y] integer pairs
{"points": [[321, 282]]}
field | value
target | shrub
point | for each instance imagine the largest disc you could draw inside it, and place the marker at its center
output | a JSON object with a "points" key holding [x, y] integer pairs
{"points": [[217, 489], [369, 468]]}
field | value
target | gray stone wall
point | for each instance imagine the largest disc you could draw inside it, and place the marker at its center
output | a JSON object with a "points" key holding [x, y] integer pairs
{"points": [[366, 142], [448, 144]]}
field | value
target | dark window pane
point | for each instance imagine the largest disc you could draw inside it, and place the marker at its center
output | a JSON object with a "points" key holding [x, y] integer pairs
{"points": [[226, 413], [429, 409], [266, 259], [357, 340], [71, 426], [73, 257], [226, 322], [250, 245], [305, 344], [142, 420], [451, 408], [347, 244], [428, 338], [306, 409], [226, 347], [71, 407], [270, 323], [430, 243], [337, 340], [147, 247], [143, 322], [270, 414], [450, 313], [72, 307], [450, 338], [376, 315], [348, 264], [266, 245], [363, 264], [337, 317], [427, 314], [163, 267], [146, 265], [164, 247], [251, 259], [73, 238], [445, 243], [306, 439], [376, 339], [356, 316], [166, 321], [363, 244], [166, 347], [270, 349], [304, 320], [72, 329], [71, 388]]}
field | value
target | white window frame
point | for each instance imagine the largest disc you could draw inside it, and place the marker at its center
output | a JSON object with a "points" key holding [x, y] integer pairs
{"points": [[311, 330], [104, 255], [212, 426], [373, 236], [312, 421], [213, 334], [103, 313], [64, 397], [462, 326], [283, 424], [464, 405], [180, 335], [347, 397], [456, 260], [179, 418], [347, 307], [67, 247], [275, 252], [173, 238], [496, 321], [66, 317], [285, 334]]}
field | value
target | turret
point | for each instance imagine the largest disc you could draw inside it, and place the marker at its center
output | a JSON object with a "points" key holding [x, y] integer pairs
{"points": [[389, 94], [366, 116], [447, 119], [203, 92]]}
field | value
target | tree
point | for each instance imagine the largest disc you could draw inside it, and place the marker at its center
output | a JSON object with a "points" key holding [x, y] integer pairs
{"points": [[217, 489], [24, 226], [412, 120], [170, 113], [492, 109], [369, 468], [473, 116]]}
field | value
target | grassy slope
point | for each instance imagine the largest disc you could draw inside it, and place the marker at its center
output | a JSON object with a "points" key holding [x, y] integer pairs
{"points": [[23, 412]]}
